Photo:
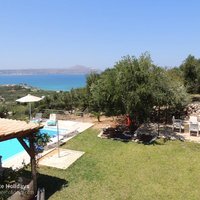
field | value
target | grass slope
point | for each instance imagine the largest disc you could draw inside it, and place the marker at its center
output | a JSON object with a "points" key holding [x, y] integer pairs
{"points": [[116, 170]]}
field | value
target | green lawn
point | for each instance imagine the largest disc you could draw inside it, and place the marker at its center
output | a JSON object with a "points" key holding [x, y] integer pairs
{"points": [[116, 170]]}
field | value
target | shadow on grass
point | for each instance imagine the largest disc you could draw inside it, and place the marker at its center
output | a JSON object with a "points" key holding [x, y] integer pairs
{"points": [[154, 143], [121, 140], [51, 184]]}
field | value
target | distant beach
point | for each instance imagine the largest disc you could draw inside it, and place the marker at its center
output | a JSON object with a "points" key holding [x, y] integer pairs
{"points": [[53, 82]]}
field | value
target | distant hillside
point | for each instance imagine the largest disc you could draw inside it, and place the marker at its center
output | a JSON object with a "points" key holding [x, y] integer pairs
{"points": [[78, 69]]}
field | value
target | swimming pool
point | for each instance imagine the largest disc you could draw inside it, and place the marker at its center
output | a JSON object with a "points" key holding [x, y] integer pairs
{"points": [[12, 147], [52, 132], [9, 148]]}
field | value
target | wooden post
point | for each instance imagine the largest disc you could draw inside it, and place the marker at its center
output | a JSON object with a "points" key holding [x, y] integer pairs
{"points": [[33, 163], [0, 162], [30, 111]]}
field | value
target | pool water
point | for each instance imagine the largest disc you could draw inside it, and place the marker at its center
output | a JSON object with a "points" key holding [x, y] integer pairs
{"points": [[51, 132], [12, 147], [9, 148]]}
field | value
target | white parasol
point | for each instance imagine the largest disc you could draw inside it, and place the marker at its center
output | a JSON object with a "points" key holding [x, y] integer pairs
{"points": [[29, 99]]}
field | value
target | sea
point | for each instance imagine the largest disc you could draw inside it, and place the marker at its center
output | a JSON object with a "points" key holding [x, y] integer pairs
{"points": [[54, 82]]}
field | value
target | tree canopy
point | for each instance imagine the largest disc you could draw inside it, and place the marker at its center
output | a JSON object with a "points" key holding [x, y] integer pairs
{"points": [[191, 74], [135, 86]]}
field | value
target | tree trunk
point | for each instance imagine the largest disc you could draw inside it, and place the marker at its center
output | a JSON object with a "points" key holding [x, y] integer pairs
{"points": [[166, 115], [98, 118], [158, 120]]}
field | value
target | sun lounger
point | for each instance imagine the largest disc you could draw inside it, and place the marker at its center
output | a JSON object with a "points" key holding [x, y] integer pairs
{"points": [[52, 120], [37, 118]]}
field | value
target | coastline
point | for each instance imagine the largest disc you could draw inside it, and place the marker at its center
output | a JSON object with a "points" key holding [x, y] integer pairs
{"points": [[52, 82]]}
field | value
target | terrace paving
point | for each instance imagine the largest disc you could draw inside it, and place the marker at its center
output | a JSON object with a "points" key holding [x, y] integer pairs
{"points": [[61, 160]]}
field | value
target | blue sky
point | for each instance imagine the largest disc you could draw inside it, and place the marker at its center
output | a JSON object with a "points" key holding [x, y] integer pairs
{"points": [[96, 33]]}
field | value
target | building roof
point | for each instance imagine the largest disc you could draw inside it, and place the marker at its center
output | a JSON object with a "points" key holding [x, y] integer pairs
{"points": [[15, 128]]}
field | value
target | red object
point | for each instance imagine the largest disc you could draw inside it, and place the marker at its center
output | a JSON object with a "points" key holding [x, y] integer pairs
{"points": [[128, 120]]}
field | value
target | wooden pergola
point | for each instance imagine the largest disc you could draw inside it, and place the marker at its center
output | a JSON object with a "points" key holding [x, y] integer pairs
{"points": [[10, 129]]}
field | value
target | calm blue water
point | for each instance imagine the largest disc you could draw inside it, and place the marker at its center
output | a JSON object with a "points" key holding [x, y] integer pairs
{"points": [[51, 132], [12, 147], [47, 82]]}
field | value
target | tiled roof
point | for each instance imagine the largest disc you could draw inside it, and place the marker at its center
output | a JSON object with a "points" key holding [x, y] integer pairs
{"points": [[14, 128]]}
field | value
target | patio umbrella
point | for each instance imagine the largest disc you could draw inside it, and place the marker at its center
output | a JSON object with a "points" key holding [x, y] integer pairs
{"points": [[29, 99]]}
